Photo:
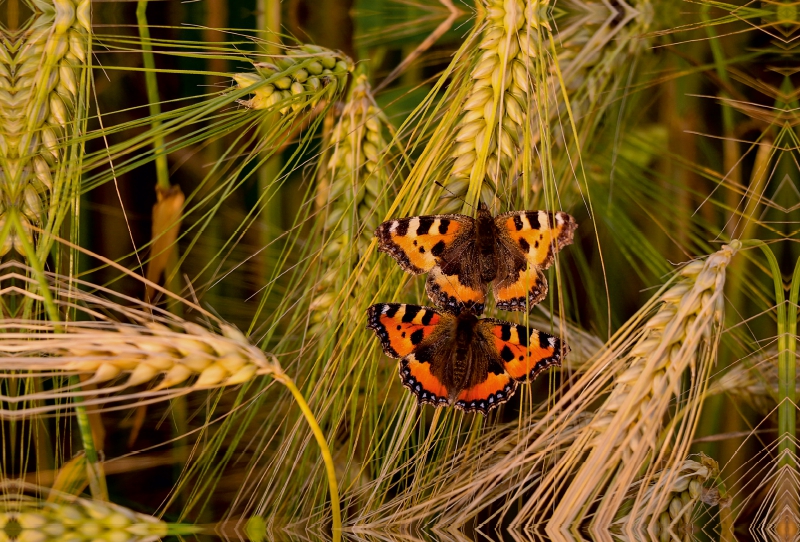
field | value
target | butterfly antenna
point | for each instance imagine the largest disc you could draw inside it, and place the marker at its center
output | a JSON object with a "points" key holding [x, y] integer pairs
{"points": [[454, 194]]}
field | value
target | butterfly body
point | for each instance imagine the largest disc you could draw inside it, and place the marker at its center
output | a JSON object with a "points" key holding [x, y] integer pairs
{"points": [[459, 359], [463, 254]]}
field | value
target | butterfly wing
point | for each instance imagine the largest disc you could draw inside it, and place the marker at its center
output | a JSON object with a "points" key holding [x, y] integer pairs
{"points": [[456, 284], [523, 352], [527, 243], [491, 386], [414, 334], [401, 327], [519, 285], [419, 242]]}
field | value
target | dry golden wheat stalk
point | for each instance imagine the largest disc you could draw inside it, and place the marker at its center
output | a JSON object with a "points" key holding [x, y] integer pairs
{"points": [[117, 346], [40, 91], [119, 356]]}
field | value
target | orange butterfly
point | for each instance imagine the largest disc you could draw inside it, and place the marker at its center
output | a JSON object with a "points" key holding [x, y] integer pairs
{"points": [[461, 360], [463, 254]]}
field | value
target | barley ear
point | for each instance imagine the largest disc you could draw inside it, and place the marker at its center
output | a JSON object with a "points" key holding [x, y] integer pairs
{"points": [[681, 336]]}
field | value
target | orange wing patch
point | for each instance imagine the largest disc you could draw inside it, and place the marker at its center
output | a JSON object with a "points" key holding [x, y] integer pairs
{"points": [[417, 377], [538, 234], [529, 289], [418, 242], [526, 353], [401, 327], [448, 291], [496, 389]]}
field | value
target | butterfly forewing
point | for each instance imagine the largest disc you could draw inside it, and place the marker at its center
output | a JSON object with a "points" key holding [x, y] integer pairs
{"points": [[525, 352], [401, 327], [419, 242], [537, 234], [527, 241]]}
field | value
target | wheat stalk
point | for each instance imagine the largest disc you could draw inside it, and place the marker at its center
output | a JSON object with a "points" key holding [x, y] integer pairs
{"points": [[126, 355], [752, 381], [117, 346], [41, 83]]}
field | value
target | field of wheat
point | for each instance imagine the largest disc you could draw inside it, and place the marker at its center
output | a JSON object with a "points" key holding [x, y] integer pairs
{"points": [[189, 199]]}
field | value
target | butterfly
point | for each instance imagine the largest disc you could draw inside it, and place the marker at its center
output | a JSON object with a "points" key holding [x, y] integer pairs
{"points": [[462, 254], [459, 359]]}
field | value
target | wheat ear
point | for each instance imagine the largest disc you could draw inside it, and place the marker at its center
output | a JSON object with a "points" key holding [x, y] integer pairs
{"points": [[682, 335], [753, 381], [353, 183], [29, 518], [40, 93], [295, 81], [678, 491], [491, 134]]}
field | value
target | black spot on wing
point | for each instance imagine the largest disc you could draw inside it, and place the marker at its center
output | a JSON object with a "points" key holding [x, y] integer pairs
{"points": [[438, 248], [417, 336], [392, 309], [495, 368], [524, 245], [533, 218], [522, 333], [427, 317], [544, 339], [425, 224], [518, 222], [411, 312], [422, 250], [506, 354], [424, 354], [402, 228], [505, 332], [444, 224]]}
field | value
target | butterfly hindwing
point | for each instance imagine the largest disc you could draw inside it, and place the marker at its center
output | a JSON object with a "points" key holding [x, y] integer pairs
{"points": [[413, 333], [457, 287], [526, 244], [519, 285], [417, 376], [495, 388], [419, 242], [525, 352], [401, 327]]}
